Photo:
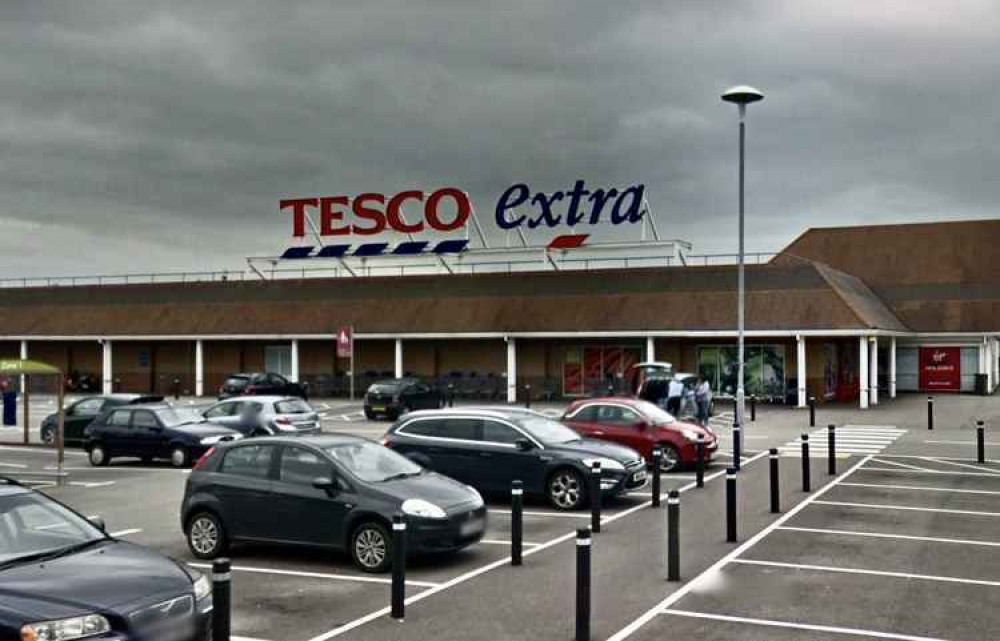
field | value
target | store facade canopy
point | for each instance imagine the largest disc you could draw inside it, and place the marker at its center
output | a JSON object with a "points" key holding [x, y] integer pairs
{"points": [[18, 367]]}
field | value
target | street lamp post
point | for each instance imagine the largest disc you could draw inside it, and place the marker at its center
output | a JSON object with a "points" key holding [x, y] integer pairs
{"points": [[742, 96]]}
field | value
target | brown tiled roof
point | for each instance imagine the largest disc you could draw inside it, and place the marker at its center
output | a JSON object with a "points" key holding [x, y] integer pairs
{"points": [[780, 297]]}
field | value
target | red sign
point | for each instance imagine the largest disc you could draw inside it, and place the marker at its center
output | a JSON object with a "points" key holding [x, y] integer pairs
{"points": [[376, 214], [941, 369], [345, 342]]}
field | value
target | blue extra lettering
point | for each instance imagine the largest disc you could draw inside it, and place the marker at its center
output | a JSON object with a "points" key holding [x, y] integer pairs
{"points": [[635, 211], [600, 198], [521, 191], [574, 216], [545, 207]]}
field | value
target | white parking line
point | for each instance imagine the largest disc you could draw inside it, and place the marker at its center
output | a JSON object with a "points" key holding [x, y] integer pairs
{"points": [[718, 565], [316, 575], [233, 637], [122, 533], [907, 508], [19, 466], [960, 442], [898, 575], [799, 626], [935, 460], [941, 472], [888, 535], [39, 450], [565, 515], [920, 488], [904, 465], [501, 542]]}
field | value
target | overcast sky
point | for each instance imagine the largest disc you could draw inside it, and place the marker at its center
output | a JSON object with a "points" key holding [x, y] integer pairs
{"points": [[140, 135]]}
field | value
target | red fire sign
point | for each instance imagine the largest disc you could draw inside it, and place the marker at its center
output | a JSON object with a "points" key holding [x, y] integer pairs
{"points": [[345, 342]]}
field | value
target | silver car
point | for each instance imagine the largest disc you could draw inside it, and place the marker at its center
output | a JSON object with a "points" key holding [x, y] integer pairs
{"points": [[265, 415]]}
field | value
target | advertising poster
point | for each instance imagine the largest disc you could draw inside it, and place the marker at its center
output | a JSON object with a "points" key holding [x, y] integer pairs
{"points": [[941, 369]]}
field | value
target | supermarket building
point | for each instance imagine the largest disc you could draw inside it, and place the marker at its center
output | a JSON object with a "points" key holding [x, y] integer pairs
{"points": [[854, 314]]}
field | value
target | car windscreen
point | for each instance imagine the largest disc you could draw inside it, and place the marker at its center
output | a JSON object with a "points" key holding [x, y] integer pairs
{"points": [[292, 406], [372, 462], [654, 413], [32, 525], [548, 431], [236, 381], [385, 388], [174, 416]]}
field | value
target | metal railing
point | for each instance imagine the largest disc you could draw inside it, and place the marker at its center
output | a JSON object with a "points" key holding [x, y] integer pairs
{"points": [[123, 279]]}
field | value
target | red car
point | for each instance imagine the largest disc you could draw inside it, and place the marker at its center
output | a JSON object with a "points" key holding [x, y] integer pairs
{"points": [[640, 425]]}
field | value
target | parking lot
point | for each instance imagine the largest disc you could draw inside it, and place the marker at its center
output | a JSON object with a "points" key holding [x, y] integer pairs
{"points": [[901, 544]]}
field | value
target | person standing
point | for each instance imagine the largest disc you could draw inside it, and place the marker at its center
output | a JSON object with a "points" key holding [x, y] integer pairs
{"points": [[703, 400], [675, 392]]}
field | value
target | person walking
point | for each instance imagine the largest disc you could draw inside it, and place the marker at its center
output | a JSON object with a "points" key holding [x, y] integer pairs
{"points": [[675, 393], [703, 400]]}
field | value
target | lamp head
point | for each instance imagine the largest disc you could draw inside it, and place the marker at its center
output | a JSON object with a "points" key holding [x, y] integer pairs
{"points": [[742, 95]]}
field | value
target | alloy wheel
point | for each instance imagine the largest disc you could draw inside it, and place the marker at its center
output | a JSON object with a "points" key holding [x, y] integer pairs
{"points": [[98, 456], [204, 535], [669, 460], [48, 437], [178, 457], [566, 490], [370, 547]]}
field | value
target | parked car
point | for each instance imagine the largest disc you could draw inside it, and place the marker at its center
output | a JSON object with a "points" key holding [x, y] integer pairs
{"points": [[394, 397], [62, 577], [149, 432], [264, 415], [261, 384], [78, 415], [333, 491], [489, 448], [641, 426]]}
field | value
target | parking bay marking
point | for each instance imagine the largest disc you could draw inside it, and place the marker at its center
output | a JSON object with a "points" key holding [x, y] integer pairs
{"points": [[941, 472], [898, 575], [316, 575], [889, 486], [908, 508], [887, 535], [122, 533], [372, 616], [798, 626], [934, 460], [501, 542], [903, 465]]}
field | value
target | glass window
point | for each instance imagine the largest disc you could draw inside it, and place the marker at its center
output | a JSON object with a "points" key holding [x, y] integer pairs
{"points": [[548, 431], [89, 407], [220, 410], [119, 418], [31, 523], [174, 416], [249, 460], [292, 406], [144, 420], [495, 432], [299, 465], [460, 428], [371, 462], [616, 415], [587, 414], [430, 427]]}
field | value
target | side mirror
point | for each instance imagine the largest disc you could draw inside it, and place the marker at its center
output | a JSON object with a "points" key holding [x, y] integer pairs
{"points": [[326, 484], [523, 445], [99, 523]]}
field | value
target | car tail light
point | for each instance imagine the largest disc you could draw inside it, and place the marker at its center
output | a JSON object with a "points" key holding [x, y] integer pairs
{"points": [[204, 458], [386, 442], [251, 389], [281, 420]]}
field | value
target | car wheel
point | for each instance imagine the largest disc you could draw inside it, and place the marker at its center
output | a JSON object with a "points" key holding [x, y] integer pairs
{"points": [[206, 537], [566, 489], [48, 436], [179, 456], [671, 458], [370, 415], [98, 456], [371, 547]]}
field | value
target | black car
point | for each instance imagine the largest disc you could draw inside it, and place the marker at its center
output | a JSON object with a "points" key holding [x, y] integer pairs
{"points": [[394, 397], [489, 448], [338, 492], [255, 384], [59, 571], [81, 413], [149, 432]]}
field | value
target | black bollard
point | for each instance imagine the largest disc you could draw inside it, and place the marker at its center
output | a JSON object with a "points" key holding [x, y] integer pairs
{"points": [[583, 541], [657, 460], [753, 408], [737, 445], [775, 488], [516, 521], [812, 411], [177, 388], [595, 497], [930, 412], [806, 485], [398, 566], [451, 395], [222, 599], [699, 469], [731, 505], [527, 396], [831, 450], [980, 442], [611, 390], [674, 536]]}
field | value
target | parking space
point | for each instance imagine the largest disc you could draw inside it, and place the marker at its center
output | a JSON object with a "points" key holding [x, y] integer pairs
{"points": [[897, 547]]}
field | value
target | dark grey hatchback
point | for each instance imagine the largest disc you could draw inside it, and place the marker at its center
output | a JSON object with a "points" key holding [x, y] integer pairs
{"points": [[331, 491]]}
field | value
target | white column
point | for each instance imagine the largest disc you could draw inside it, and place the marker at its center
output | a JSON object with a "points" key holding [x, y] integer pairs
{"points": [[892, 367], [863, 371], [199, 368], [800, 364], [511, 370], [107, 376], [24, 357], [399, 358], [987, 362], [650, 349], [294, 375], [873, 369]]}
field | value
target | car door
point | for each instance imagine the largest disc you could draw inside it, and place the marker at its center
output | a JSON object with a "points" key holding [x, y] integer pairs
{"points": [[146, 435], [448, 445], [115, 432], [243, 485], [78, 416], [502, 462], [620, 424], [302, 513]]}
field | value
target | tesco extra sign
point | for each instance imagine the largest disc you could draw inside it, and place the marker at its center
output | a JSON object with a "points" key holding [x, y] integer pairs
{"points": [[448, 209]]}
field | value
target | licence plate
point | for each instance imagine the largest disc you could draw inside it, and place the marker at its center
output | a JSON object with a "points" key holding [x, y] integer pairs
{"points": [[471, 527], [378, 408], [639, 477]]}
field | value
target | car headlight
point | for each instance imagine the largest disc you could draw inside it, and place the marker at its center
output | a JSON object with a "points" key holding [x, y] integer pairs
{"points": [[423, 509], [606, 463], [81, 627], [202, 587], [477, 496]]}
